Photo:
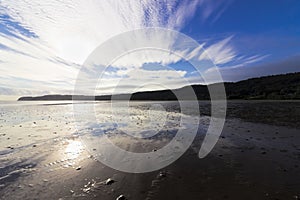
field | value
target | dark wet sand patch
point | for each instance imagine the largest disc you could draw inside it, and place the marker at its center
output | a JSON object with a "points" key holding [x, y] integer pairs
{"points": [[235, 169]]}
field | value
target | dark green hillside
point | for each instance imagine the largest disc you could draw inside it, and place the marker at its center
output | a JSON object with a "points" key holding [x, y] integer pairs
{"points": [[270, 87], [277, 87]]}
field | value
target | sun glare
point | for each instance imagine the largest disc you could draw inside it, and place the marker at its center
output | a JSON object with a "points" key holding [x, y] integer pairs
{"points": [[73, 149]]}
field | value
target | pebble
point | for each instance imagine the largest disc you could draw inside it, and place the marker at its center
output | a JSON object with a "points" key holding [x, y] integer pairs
{"points": [[78, 168], [109, 181], [121, 197], [162, 174]]}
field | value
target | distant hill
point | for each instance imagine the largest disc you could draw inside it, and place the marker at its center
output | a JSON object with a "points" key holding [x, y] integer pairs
{"points": [[286, 86], [276, 87]]}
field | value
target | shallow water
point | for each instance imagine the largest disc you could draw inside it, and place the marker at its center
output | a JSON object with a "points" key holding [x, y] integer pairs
{"points": [[27, 127], [26, 123]]}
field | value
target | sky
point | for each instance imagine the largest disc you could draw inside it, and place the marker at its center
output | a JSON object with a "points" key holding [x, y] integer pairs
{"points": [[44, 44]]}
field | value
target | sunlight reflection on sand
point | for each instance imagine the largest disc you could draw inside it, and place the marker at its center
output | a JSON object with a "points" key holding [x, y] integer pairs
{"points": [[73, 149]]}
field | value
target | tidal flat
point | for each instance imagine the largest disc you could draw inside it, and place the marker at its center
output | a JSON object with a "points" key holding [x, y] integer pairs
{"points": [[45, 151]]}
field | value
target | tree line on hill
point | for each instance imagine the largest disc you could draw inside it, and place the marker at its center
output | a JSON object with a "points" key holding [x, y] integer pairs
{"points": [[275, 87]]}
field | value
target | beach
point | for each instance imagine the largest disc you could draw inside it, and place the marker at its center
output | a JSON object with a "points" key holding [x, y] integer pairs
{"points": [[45, 153]]}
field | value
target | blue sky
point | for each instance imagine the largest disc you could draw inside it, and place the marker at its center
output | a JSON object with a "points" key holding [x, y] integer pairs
{"points": [[264, 27], [44, 44]]}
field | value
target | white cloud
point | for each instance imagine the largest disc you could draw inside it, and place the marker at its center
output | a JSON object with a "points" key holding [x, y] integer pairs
{"points": [[136, 59], [66, 32], [220, 53], [28, 65], [135, 79], [157, 74], [73, 29]]}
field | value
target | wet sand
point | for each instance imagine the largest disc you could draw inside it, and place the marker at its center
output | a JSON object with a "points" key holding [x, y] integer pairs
{"points": [[252, 160]]}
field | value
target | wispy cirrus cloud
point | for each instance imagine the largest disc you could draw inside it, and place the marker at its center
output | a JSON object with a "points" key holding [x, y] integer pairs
{"points": [[43, 43], [72, 29], [241, 72]]}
